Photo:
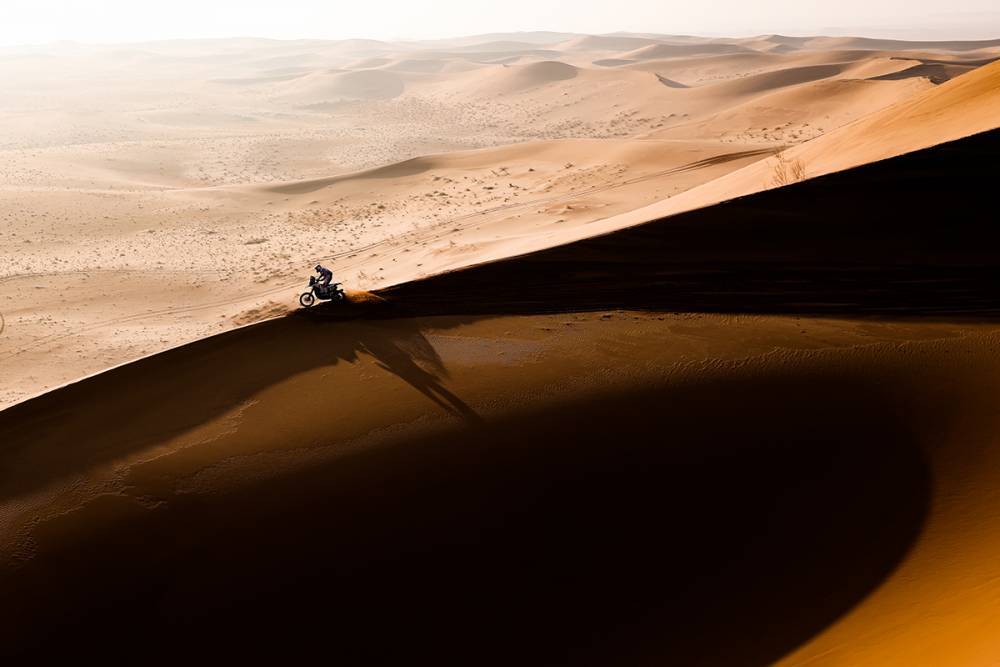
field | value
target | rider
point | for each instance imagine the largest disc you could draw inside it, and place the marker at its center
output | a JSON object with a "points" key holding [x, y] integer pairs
{"points": [[325, 275]]}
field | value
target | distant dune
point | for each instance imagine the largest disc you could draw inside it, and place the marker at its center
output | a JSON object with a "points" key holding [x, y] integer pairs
{"points": [[426, 66], [959, 108], [782, 78], [655, 51], [369, 63], [606, 43], [893, 44], [336, 85], [534, 75]]}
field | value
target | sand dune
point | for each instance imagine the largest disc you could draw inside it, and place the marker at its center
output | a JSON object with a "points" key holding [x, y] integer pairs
{"points": [[311, 513], [612, 62], [771, 251], [369, 63], [703, 69], [893, 44], [794, 114], [725, 67], [755, 84], [509, 80], [769, 42], [935, 72], [657, 51], [774, 43], [334, 85], [487, 203], [959, 108], [423, 65], [107, 173], [536, 161], [610, 387], [607, 43], [209, 490]]}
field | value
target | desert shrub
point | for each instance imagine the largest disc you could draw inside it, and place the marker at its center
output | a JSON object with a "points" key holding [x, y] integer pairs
{"points": [[787, 171]]}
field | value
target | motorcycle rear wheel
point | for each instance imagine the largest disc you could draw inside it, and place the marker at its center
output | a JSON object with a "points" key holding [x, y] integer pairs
{"points": [[307, 299]]}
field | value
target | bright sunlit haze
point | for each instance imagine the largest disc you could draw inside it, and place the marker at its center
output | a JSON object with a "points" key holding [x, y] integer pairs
{"points": [[42, 21]]}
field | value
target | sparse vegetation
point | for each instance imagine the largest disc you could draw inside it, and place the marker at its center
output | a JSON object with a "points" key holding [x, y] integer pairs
{"points": [[786, 171]]}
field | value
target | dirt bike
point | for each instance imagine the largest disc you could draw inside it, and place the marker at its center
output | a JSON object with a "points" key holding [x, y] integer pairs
{"points": [[318, 290]]}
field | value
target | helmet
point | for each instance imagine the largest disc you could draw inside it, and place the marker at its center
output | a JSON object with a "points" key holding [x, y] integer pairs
{"points": [[318, 267]]}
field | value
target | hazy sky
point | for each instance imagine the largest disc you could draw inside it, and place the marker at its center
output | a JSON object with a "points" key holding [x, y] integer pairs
{"points": [[39, 21]]}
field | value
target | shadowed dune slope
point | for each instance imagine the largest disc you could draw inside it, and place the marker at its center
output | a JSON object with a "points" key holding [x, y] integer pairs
{"points": [[759, 83], [915, 234], [630, 523]]}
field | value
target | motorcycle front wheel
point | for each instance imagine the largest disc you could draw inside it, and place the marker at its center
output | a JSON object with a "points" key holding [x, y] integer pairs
{"points": [[307, 299]]}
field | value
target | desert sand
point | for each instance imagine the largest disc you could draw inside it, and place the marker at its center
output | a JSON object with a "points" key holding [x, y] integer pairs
{"points": [[659, 350], [152, 194]]}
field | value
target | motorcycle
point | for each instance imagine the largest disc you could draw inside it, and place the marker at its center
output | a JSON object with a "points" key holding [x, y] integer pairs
{"points": [[317, 290]]}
